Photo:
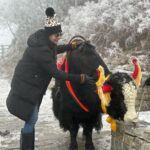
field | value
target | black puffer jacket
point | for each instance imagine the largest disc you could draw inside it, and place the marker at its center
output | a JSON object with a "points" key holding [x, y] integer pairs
{"points": [[33, 74]]}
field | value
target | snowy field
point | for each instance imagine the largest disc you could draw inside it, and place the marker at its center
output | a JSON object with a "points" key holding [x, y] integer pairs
{"points": [[12, 125], [47, 127]]}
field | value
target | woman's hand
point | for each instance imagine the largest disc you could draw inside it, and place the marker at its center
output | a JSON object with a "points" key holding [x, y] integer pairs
{"points": [[88, 80], [85, 79]]}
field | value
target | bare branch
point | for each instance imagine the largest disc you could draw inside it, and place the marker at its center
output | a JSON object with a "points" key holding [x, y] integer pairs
{"points": [[10, 29]]}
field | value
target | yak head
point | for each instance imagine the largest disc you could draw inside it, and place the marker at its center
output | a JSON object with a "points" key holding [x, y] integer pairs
{"points": [[118, 93]]}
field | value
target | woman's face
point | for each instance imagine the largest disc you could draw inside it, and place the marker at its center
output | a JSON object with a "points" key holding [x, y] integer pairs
{"points": [[54, 38]]}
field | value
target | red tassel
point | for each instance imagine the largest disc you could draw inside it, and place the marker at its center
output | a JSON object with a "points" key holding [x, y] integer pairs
{"points": [[106, 88], [135, 72]]}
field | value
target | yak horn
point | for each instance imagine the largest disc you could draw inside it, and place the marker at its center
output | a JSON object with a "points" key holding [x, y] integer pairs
{"points": [[136, 75]]}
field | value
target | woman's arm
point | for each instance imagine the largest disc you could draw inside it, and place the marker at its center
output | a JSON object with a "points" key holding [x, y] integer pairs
{"points": [[67, 47], [43, 56], [63, 48]]}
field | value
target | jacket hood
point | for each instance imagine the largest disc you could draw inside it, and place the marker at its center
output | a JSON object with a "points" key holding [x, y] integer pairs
{"points": [[39, 38]]}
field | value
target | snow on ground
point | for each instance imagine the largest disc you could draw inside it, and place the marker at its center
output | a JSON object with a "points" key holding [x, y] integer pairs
{"points": [[46, 105], [47, 118], [145, 116]]}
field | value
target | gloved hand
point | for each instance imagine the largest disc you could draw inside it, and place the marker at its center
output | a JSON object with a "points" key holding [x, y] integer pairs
{"points": [[89, 81], [85, 79]]}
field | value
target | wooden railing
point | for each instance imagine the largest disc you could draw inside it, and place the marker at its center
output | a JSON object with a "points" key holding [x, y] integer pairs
{"points": [[3, 50]]}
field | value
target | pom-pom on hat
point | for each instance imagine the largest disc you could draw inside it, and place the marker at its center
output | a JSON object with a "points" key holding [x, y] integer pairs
{"points": [[52, 26]]}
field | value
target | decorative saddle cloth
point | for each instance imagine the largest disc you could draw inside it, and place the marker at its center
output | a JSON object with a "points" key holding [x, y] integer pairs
{"points": [[61, 61]]}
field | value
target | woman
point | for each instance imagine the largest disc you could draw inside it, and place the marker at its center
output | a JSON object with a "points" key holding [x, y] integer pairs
{"points": [[33, 74]]}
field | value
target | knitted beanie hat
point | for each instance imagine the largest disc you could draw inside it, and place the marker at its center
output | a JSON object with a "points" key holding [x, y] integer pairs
{"points": [[52, 26]]}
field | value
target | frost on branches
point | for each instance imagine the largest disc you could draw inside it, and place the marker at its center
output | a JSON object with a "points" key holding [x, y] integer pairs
{"points": [[116, 27]]}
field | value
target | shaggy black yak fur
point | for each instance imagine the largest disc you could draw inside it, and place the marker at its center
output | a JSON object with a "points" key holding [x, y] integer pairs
{"points": [[117, 107], [147, 82], [85, 59]]}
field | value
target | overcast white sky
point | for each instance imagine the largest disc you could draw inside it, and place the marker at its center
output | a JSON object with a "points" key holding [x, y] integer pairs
{"points": [[5, 35]]}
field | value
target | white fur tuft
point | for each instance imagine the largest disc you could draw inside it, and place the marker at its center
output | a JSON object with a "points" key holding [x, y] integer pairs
{"points": [[130, 93]]}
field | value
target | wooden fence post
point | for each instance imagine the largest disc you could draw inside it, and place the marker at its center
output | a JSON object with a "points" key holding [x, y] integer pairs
{"points": [[3, 50]]}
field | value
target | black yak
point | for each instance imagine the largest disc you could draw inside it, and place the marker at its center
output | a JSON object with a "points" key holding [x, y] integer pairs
{"points": [[71, 116]]}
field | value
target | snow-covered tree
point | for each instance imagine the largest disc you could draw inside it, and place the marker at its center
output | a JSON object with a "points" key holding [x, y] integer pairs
{"points": [[110, 21], [119, 29], [115, 27]]}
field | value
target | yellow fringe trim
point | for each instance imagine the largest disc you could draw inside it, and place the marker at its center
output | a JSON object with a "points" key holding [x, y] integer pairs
{"points": [[105, 98], [113, 123]]}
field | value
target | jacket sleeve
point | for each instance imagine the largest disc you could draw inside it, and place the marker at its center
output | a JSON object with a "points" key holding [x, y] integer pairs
{"points": [[43, 56], [63, 48], [52, 70]]}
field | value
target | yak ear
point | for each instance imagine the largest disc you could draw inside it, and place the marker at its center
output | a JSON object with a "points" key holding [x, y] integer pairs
{"points": [[136, 75]]}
